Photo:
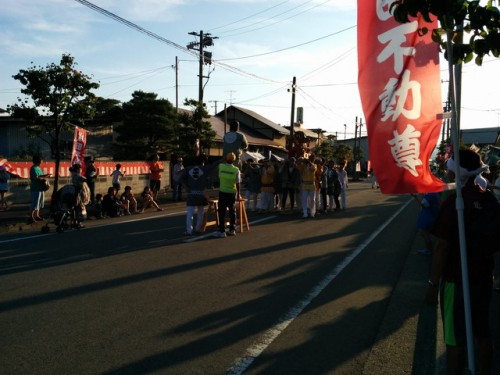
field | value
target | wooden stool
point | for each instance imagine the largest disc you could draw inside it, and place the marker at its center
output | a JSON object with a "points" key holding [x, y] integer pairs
{"points": [[213, 205], [241, 215]]}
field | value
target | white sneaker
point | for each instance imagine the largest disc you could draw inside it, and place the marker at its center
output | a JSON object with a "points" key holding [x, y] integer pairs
{"points": [[219, 234], [231, 233]]}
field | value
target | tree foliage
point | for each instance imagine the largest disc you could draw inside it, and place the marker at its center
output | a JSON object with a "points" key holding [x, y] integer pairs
{"points": [[57, 97], [149, 127], [457, 16], [342, 153], [193, 126], [108, 109], [324, 150]]}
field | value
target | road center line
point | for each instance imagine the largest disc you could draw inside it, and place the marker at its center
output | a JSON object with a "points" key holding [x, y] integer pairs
{"points": [[256, 349]]}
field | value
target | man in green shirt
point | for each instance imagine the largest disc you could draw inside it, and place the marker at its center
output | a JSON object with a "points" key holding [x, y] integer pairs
{"points": [[229, 191]]}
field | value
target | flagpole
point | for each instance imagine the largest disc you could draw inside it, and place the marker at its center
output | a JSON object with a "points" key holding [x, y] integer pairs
{"points": [[460, 209]]}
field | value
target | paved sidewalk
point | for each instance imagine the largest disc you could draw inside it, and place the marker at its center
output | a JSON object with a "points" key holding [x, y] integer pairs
{"points": [[413, 344], [17, 218]]}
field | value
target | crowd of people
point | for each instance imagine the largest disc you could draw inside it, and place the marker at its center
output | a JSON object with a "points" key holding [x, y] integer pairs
{"points": [[311, 185], [86, 202], [308, 185], [116, 203]]}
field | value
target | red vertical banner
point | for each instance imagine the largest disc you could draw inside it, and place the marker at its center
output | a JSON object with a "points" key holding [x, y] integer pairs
{"points": [[79, 145], [400, 89]]}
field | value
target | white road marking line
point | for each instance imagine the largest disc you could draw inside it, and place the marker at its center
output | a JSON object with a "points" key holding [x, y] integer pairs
{"points": [[210, 234], [256, 349]]}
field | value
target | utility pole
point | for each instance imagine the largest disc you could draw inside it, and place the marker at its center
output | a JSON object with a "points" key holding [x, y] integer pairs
{"points": [[231, 96], [176, 83], [345, 132], [225, 119], [215, 105], [206, 40], [292, 117], [356, 153]]}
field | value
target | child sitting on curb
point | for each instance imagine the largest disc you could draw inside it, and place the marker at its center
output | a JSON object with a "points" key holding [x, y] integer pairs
{"points": [[148, 200]]}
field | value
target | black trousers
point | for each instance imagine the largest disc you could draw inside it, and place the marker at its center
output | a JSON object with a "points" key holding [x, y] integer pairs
{"points": [[226, 203], [287, 191]]}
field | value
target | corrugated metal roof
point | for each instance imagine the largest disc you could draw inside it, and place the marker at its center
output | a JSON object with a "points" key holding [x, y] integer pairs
{"points": [[480, 136]]}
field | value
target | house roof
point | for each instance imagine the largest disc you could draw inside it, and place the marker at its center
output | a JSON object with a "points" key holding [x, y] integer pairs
{"points": [[252, 136], [280, 129], [309, 133], [480, 136]]}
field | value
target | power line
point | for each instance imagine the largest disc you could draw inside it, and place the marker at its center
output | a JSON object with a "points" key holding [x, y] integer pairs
{"points": [[133, 26], [291, 47], [135, 76], [134, 84], [278, 21], [250, 16], [215, 62], [329, 64], [272, 24], [164, 40], [263, 95], [136, 73]]}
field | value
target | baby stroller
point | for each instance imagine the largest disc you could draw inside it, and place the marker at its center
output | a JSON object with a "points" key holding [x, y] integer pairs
{"points": [[69, 207]]}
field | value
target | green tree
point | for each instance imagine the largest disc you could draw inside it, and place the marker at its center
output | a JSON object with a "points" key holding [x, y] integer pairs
{"points": [[193, 126], [108, 109], [457, 17], [324, 150], [57, 97], [148, 127], [342, 153]]}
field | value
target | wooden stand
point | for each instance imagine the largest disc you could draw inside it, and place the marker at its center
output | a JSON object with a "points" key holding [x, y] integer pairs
{"points": [[241, 215], [212, 210]]}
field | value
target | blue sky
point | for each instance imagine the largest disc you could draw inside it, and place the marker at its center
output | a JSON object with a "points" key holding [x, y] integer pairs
{"points": [[261, 45]]}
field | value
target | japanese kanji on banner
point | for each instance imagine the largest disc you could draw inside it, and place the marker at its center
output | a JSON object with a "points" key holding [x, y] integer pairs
{"points": [[79, 145], [400, 89]]}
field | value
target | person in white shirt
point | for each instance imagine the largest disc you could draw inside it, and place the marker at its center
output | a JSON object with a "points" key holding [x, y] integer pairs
{"points": [[343, 185], [176, 184]]}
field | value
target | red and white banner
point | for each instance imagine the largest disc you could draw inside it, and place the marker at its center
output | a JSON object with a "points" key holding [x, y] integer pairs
{"points": [[400, 89], [8, 167], [79, 145], [22, 169]]}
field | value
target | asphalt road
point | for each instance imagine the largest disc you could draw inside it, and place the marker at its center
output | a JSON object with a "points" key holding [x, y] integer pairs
{"points": [[133, 296]]}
